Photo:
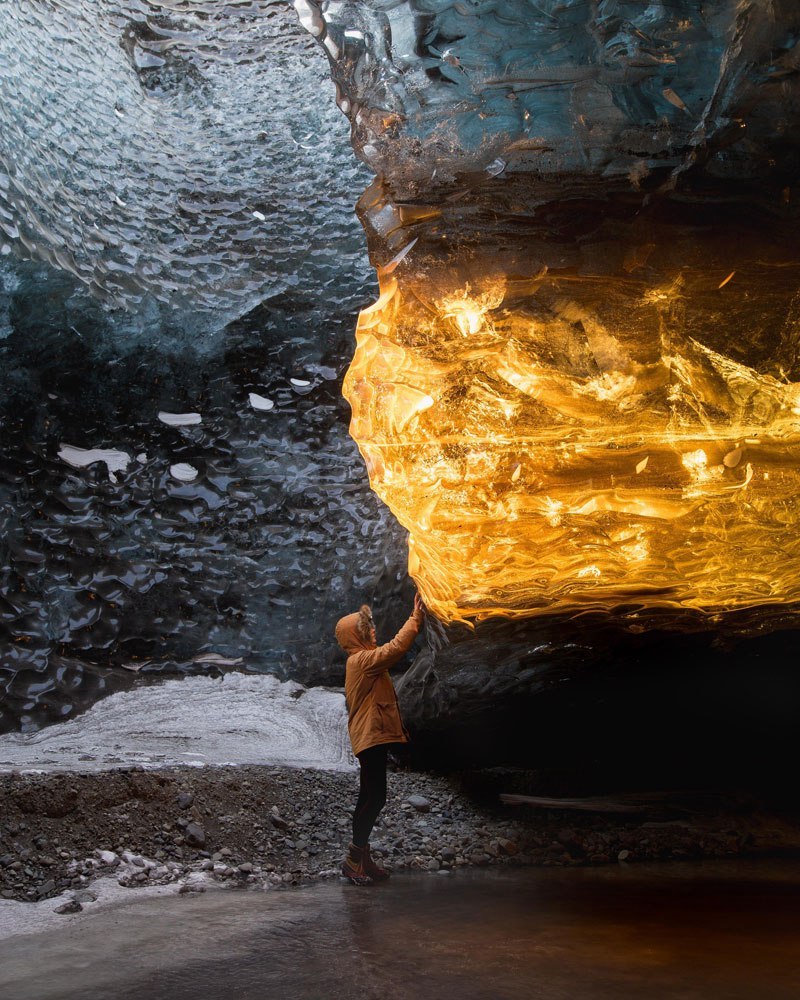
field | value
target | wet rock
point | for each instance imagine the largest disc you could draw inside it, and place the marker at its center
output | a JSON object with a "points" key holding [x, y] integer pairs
{"points": [[188, 887], [84, 896], [506, 846], [277, 820]]}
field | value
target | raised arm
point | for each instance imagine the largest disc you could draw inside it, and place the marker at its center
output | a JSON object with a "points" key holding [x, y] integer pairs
{"points": [[384, 657]]}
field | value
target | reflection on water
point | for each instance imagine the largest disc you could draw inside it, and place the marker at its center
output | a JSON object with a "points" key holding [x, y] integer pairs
{"points": [[717, 930]]}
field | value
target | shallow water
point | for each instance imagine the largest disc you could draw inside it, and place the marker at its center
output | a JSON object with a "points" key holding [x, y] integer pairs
{"points": [[716, 930]]}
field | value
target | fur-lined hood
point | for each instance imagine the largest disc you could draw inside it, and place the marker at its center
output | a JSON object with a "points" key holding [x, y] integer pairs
{"points": [[353, 631]]}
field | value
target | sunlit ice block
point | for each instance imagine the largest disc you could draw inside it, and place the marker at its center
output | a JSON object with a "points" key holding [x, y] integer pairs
{"points": [[613, 432]]}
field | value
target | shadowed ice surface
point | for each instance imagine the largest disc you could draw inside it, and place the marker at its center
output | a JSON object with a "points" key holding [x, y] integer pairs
{"points": [[698, 932]]}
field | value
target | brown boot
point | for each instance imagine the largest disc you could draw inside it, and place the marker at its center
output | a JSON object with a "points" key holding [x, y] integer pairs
{"points": [[374, 871], [353, 866]]}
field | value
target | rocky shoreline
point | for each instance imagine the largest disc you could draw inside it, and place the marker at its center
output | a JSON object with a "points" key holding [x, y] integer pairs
{"points": [[61, 834]]}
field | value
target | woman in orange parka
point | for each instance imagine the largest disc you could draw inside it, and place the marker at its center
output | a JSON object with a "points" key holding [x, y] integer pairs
{"points": [[374, 724]]}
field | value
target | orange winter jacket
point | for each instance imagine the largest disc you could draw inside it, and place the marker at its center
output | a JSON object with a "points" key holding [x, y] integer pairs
{"points": [[373, 714]]}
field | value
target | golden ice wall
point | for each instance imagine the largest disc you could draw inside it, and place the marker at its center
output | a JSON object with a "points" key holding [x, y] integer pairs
{"points": [[580, 387], [572, 441]]}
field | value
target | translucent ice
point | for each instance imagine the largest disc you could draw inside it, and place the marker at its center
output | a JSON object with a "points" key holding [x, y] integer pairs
{"points": [[170, 150], [613, 88], [579, 383]]}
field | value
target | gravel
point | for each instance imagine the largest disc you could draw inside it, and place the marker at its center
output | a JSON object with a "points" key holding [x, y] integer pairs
{"points": [[279, 826]]}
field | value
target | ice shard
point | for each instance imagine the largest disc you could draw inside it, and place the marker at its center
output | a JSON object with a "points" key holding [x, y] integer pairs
{"points": [[579, 389]]}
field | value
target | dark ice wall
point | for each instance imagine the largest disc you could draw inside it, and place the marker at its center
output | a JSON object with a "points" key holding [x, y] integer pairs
{"points": [[250, 563], [179, 164]]}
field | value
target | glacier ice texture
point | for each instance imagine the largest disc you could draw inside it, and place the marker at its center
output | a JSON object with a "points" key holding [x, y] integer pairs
{"points": [[585, 350], [182, 161], [119, 568], [598, 91], [175, 160], [171, 155], [572, 197]]}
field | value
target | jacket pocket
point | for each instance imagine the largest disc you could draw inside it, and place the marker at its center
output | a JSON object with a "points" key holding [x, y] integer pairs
{"points": [[387, 718]]}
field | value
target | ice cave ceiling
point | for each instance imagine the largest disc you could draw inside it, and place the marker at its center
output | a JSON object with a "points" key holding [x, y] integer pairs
{"points": [[578, 390], [580, 387]]}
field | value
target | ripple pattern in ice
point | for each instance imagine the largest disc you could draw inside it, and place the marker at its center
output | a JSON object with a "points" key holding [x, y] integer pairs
{"points": [[113, 565], [171, 150]]}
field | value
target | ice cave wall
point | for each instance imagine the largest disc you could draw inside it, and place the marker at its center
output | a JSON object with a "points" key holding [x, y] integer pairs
{"points": [[144, 166], [599, 90], [177, 237], [559, 379], [569, 195]]}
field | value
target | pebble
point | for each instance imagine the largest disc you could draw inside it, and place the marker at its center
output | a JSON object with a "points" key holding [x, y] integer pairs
{"points": [[84, 896], [425, 826], [419, 802], [46, 888]]}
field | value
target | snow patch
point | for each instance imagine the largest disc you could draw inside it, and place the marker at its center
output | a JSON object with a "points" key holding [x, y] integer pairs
{"points": [[179, 419], [238, 719], [260, 402], [80, 458], [184, 472]]}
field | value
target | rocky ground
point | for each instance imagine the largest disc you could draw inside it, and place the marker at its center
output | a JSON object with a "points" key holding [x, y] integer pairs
{"points": [[276, 826]]}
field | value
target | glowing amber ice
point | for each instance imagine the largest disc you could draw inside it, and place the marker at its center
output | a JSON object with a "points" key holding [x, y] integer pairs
{"points": [[545, 462]]}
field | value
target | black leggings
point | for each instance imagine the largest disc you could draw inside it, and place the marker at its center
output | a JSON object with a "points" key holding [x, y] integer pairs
{"points": [[371, 793]]}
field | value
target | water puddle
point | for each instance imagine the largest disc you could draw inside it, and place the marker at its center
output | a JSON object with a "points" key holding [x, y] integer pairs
{"points": [[716, 931]]}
